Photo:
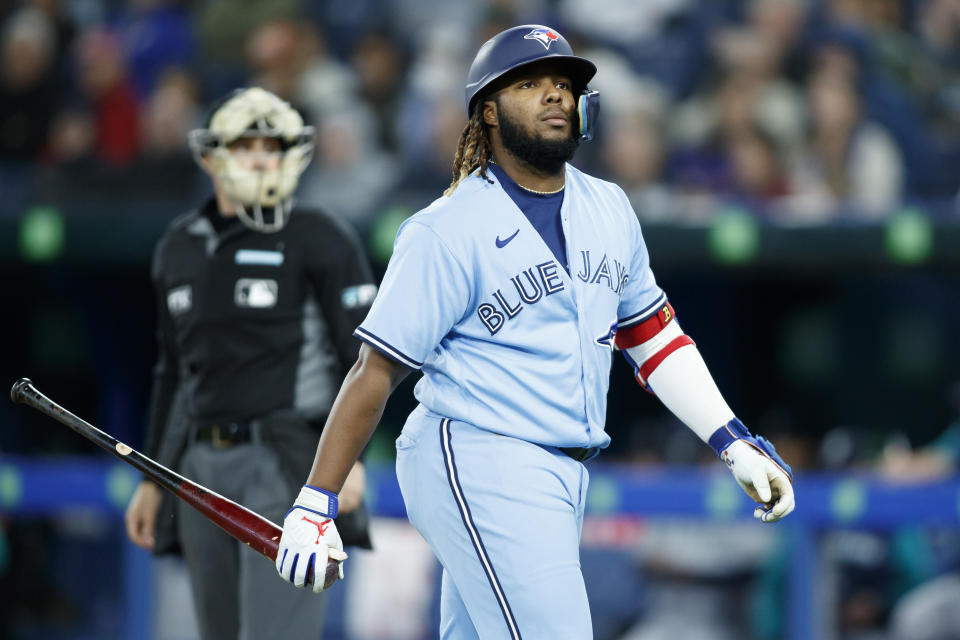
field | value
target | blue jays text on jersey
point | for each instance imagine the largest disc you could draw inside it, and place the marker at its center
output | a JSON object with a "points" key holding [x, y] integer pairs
{"points": [[506, 337], [533, 283]]}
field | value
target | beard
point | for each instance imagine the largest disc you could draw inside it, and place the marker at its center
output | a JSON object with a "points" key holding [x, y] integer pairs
{"points": [[544, 156]]}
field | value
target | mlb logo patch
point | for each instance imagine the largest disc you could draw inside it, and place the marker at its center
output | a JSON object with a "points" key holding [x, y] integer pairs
{"points": [[180, 299], [255, 293], [546, 37]]}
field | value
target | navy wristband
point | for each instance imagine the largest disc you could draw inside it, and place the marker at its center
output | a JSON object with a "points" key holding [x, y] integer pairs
{"points": [[736, 430], [727, 434]]}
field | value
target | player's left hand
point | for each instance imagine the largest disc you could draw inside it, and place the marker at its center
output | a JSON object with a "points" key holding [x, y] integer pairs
{"points": [[761, 478], [309, 536]]}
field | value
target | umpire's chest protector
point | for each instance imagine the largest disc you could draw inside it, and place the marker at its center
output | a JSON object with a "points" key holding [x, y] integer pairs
{"points": [[528, 351], [247, 290]]}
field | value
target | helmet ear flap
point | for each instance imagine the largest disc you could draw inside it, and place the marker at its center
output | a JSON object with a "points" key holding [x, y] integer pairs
{"points": [[588, 108]]}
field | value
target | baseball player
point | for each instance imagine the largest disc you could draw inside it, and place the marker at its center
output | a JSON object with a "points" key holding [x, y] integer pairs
{"points": [[510, 294], [257, 300]]}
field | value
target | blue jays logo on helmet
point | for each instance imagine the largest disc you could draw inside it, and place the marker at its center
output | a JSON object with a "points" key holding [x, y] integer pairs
{"points": [[546, 37], [510, 49]]}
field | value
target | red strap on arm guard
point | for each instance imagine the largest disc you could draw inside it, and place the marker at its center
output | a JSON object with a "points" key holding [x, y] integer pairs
{"points": [[643, 373], [646, 330], [640, 333]]}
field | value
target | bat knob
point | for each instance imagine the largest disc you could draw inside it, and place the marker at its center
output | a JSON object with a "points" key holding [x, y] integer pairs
{"points": [[16, 391], [330, 575]]}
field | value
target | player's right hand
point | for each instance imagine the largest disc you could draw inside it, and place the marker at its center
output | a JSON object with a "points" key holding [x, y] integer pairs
{"points": [[141, 514], [308, 535], [762, 478]]}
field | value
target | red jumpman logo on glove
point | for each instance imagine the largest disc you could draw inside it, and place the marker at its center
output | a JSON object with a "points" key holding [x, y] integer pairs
{"points": [[321, 527]]}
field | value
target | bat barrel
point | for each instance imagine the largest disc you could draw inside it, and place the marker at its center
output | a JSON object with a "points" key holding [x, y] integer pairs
{"points": [[245, 525], [18, 390], [23, 392]]}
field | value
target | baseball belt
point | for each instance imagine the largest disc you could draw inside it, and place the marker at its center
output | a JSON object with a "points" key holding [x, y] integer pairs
{"points": [[227, 434]]}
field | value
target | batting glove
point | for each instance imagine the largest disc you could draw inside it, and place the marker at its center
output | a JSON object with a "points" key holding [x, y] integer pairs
{"points": [[309, 538], [757, 468]]}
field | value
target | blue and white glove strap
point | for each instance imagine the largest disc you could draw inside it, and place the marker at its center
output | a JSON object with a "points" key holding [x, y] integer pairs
{"points": [[727, 435], [317, 500], [736, 430]]}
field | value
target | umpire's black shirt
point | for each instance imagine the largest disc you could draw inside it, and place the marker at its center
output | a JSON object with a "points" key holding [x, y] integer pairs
{"points": [[250, 322]]}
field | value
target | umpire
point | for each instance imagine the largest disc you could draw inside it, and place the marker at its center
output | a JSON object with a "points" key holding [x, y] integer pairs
{"points": [[257, 301]]}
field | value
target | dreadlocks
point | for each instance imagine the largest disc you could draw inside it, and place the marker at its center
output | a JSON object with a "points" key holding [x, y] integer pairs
{"points": [[473, 150]]}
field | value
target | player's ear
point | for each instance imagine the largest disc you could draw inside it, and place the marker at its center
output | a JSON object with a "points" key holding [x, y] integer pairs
{"points": [[490, 117]]}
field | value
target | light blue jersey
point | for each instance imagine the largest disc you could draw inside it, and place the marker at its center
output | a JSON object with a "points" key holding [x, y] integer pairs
{"points": [[508, 341]]}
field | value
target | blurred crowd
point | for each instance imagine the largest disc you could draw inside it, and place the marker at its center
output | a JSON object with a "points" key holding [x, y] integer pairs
{"points": [[800, 111]]}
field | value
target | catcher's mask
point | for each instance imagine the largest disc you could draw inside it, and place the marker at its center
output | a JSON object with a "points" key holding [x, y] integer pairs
{"points": [[263, 195]]}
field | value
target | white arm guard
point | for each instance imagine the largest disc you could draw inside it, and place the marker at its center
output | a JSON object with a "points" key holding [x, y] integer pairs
{"points": [[683, 383]]}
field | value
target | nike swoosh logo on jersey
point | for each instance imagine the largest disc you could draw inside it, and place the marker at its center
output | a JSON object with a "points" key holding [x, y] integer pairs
{"points": [[502, 243]]}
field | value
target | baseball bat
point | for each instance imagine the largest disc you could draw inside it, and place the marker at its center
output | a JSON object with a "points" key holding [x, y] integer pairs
{"points": [[250, 528]]}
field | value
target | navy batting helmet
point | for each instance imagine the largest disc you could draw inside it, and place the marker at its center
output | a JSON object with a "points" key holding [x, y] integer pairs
{"points": [[519, 46]]}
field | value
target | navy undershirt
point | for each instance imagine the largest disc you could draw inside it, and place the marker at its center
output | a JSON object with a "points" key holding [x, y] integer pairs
{"points": [[542, 210]]}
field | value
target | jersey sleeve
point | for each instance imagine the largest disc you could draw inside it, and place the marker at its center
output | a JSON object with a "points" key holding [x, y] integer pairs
{"points": [[344, 286], [424, 293], [641, 297], [166, 378]]}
